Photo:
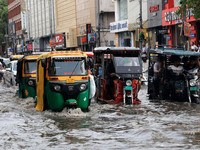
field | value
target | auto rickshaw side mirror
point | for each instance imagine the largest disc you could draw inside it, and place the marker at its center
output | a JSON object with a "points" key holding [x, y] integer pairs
{"points": [[44, 63]]}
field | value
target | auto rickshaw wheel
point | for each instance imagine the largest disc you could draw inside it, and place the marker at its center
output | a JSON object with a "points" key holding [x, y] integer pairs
{"points": [[195, 100], [86, 110]]}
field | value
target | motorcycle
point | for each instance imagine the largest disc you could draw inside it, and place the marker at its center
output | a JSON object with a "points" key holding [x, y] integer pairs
{"points": [[191, 78]]}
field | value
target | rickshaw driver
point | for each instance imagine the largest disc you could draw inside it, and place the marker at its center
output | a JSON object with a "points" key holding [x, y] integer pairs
{"points": [[110, 72], [157, 69]]}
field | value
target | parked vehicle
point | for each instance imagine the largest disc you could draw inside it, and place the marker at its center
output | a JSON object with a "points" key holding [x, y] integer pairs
{"points": [[177, 85], [118, 73], [63, 81], [9, 75], [26, 76]]}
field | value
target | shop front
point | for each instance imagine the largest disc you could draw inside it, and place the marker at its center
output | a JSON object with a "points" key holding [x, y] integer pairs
{"points": [[122, 35], [175, 25]]}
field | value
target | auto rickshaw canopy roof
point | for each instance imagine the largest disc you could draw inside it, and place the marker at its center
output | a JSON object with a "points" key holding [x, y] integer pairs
{"points": [[15, 57], [116, 50], [62, 53], [174, 52]]}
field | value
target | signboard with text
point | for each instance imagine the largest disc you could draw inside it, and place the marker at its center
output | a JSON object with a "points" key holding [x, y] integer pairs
{"points": [[119, 26]]}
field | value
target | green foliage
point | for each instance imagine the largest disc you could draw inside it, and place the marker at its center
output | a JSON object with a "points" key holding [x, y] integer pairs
{"points": [[3, 19], [195, 4]]}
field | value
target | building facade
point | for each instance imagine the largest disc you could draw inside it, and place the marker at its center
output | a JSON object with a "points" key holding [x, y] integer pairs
{"points": [[127, 25], [40, 20], [15, 32], [174, 23], [158, 34], [93, 21]]}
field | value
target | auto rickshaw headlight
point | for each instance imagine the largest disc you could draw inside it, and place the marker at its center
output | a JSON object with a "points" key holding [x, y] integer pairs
{"points": [[30, 83], [128, 82], [83, 87], [57, 87], [192, 82]]}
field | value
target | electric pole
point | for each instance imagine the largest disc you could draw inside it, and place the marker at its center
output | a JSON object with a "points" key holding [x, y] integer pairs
{"points": [[99, 38], [140, 40]]}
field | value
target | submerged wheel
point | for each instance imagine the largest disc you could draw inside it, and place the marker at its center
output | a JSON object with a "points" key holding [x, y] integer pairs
{"points": [[195, 100], [86, 110], [128, 100]]}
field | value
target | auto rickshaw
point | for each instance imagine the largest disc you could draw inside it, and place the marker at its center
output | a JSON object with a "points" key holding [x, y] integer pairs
{"points": [[176, 85], [63, 81], [26, 76], [126, 66], [15, 57]]}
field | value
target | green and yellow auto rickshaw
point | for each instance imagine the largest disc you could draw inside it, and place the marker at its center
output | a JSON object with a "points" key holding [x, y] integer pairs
{"points": [[63, 81], [26, 76]]}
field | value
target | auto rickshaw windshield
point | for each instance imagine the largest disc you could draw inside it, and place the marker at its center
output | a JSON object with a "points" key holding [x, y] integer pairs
{"points": [[60, 67], [127, 65], [30, 67]]}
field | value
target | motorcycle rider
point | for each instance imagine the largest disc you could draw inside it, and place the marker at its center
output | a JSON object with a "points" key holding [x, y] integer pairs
{"points": [[192, 64]]}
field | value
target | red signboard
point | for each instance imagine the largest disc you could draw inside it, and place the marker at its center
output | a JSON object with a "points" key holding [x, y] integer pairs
{"points": [[59, 39], [186, 29], [170, 17], [154, 8], [52, 43], [30, 47], [83, 40]]}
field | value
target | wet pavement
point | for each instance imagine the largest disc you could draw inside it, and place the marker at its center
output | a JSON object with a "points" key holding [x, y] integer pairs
{"points": [[150, 125]]}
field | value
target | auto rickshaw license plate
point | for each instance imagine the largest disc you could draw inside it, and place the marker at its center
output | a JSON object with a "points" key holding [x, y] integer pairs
{"points": [[70, 81], [193, 88]]}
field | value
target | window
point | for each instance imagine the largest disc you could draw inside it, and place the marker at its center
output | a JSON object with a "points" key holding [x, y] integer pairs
{"points": [[30, 67], [123, 10]]}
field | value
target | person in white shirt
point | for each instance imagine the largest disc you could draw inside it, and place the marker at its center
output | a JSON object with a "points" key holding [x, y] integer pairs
{"points": [[194, 47], [176, 68]]}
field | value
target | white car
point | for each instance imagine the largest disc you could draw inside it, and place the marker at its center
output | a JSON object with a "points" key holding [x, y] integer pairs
{"points": [[9, 75]]}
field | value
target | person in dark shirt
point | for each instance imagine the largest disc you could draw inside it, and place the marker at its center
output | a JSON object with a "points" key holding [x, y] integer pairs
{"points": [[192, 64], [110, 75]]}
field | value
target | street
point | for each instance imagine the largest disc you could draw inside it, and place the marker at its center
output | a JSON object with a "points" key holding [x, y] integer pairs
{"points": [[149, 125]]}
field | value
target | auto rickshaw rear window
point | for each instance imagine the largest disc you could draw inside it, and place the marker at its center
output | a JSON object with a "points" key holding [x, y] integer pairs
{"points": [[30, 67]]}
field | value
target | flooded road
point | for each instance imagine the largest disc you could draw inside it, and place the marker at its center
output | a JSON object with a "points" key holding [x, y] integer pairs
{"points": [[150, 125]]}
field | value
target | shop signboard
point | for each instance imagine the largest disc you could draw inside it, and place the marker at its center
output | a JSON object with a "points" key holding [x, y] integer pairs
{"points": [[119, 26], [170, 17], [59, 39], [30, 47], [192, 35], [91, 37], [186, 29], [52, 43]]}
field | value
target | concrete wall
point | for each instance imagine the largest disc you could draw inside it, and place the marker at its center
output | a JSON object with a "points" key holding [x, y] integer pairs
{"points": [[106, 6], [38, 18], [65, 12], [155, 17], [134, 12]]}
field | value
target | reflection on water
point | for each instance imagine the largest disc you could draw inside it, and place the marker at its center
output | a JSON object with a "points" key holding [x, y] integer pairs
{"points": [[149, 125]]}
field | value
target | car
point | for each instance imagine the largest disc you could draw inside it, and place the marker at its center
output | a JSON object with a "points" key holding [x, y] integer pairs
{"points": [[9, 75]]}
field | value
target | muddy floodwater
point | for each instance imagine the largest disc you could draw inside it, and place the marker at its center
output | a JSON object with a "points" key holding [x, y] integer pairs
{"points": [[152, 125]]}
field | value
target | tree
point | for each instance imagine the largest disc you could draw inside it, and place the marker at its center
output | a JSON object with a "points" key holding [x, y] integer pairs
{"points": [[3, 19], [195, 4]]}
